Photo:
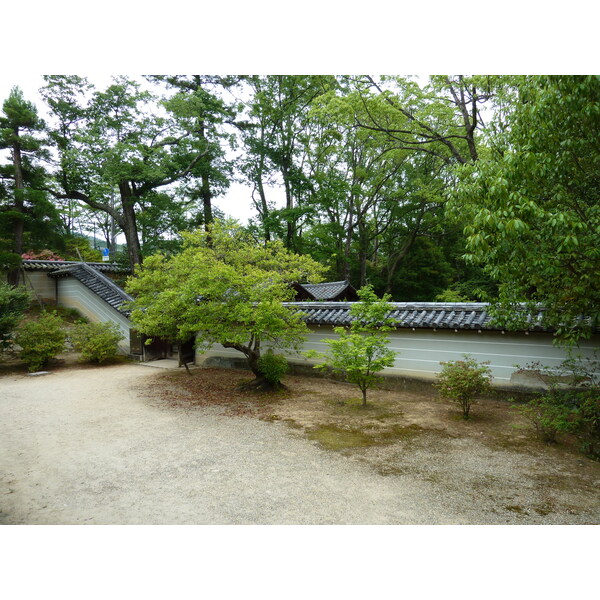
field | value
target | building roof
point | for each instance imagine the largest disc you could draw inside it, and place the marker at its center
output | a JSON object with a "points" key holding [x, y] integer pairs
{"points": [[424, 315], [328, 291], [53, 265], [98, 283]]}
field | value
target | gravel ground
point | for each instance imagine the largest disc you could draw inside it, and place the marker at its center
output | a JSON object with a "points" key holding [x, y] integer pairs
{"points": [[84, 446]]}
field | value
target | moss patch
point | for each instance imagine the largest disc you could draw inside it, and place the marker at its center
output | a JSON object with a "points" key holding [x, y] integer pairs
{"points": [[333, 437], [336, 438]]}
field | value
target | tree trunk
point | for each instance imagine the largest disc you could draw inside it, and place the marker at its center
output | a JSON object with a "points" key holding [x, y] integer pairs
{"points": [[206, 201], [363, 243], [19, 226], [364, 397], [289, 201], [251, 352], [205, 192], [263, 208], [130, 225]]}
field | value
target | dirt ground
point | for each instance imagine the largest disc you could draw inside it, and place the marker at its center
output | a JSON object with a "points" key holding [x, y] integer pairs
{"points": [[494, 459], [129, 444]]}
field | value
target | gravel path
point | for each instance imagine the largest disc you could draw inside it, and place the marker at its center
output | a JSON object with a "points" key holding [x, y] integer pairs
{"points": [[82, 446]]}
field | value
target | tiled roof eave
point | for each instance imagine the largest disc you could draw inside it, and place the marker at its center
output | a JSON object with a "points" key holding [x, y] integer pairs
{"points": [[471, 316], [99, 284], [53, 265]]}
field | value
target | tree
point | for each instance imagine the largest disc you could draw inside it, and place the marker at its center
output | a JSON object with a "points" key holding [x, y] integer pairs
{"points": [[361, 351], [197, 104], [223, 289], [24, 206], [276, 144], [533, 206], [119, 142]]}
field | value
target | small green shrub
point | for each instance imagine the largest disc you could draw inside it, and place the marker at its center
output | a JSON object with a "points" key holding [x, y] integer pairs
{"points": [[463, 380], [41, 340], [587, 421], [550, 415], [13, 303], [97, 342], [71, 315], [571, 404], [273, 367]]}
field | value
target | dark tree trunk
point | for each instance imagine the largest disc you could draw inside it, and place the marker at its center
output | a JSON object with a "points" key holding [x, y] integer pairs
{"points": [[129, 225], [19, 226], [251, 352], [289, 202], [206, 195], [263, 207]]}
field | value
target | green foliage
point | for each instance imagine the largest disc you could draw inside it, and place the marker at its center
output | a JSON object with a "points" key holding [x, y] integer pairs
{"points": [[361, 351], [74, 243], [549, 415], [570, 405], [451, 295], [532, 207], [587, 421], [273, 367], [226, 289], [463, 380], [97, 342], [70, 315], [27, 216], [41, 340], [13, 303], [9, 261]]}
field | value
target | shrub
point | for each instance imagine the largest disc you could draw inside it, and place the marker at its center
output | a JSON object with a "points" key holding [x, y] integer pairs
{"points": [[41, 340], [587, 422], [97, 342], [550, 415], [463, 380], [42, 255], [273, 367], [13, 303], [571, 404]]}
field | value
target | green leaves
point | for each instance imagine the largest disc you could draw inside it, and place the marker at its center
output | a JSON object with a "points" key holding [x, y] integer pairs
{"points": [[360, 351], [533, 207], [463, 380], [225, 289]]}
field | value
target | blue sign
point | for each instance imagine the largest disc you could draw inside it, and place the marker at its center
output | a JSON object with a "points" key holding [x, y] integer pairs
{"points": [[105, 252]]}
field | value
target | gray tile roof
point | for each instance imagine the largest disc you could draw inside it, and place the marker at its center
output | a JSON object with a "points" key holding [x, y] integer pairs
{"points": [[52, 265], [329, 290], [98, 283], [425, 315]]}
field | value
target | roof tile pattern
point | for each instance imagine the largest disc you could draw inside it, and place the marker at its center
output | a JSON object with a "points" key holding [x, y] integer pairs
{"points": [[53, 265], [98, 283], [426, 315], [325, 291]]}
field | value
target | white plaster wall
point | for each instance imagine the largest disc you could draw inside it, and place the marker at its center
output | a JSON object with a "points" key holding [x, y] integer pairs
{"points": [[420, 352], [42, 285], [73, 294]]}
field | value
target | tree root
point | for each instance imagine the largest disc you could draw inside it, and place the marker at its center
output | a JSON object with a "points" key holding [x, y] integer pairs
{"points": [[260, 384]]}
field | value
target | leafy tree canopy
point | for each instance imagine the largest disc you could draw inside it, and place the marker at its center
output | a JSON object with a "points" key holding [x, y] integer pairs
{"points": [[533, 206], [226, 289]]}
